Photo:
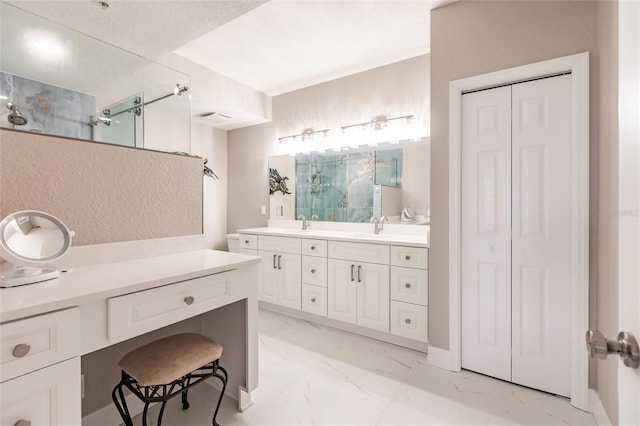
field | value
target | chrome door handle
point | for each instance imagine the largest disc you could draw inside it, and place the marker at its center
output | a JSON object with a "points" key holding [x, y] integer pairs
{"points": [[274, 261], [279, 262], [352, 266], [359, 269], [626, 346]]}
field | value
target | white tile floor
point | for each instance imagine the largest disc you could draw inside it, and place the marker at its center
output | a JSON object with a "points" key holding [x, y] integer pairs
{"points": [[315, 375]]}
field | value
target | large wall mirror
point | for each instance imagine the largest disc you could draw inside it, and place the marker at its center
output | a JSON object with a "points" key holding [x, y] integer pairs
{"points": [[58, 81], [353, 185]]}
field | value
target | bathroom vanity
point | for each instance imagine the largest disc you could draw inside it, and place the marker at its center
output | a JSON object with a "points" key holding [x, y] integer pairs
{"points": [[371, 284], [46, 327]]}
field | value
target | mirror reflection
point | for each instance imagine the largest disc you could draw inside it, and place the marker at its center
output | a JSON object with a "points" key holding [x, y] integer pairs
{"points": [[58, 81], [354, 185], [34, 236]]}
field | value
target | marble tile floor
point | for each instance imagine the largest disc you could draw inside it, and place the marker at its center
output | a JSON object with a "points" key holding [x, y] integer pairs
{"points": [[316, 375]]}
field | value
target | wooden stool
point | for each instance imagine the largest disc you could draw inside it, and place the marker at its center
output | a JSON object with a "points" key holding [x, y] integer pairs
{"points": [[165, 368]]}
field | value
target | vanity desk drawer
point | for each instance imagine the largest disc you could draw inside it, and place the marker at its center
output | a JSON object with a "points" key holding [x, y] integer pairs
{"points": [[409, 320], [314, 247], [411, 257], [134, 314], [247, 241], [36, 342], [314, 300]]}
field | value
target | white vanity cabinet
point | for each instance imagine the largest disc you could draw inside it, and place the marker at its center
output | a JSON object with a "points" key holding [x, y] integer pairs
{"points": [[314, 276], [40, 370], [358, 290], [409, 292], [281, 266]]}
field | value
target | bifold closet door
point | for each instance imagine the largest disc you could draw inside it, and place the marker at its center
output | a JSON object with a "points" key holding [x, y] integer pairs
{"points": [[516, 233], [541, 234], [486, 232]]}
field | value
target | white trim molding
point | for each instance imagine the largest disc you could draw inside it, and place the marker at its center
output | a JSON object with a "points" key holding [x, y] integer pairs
{"points": [[578, 65], [597, 408]]}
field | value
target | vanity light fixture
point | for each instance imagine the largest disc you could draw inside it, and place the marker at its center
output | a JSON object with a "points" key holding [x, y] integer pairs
{"points": [[377, 123], [306, 135]]}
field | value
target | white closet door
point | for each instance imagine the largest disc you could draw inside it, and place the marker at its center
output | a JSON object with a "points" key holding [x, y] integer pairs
{"points": [[486, 232], [542, 234]]}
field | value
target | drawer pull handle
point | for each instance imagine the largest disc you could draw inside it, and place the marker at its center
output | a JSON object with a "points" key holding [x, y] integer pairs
{"points": [[22, 422], [359, 271], [279, 261], [274, 261], [407, 285], [21, 350], [352, 268], [407, 321], [313, 247], [407, 257], [313, 271], [313, 300], [189, 300]]}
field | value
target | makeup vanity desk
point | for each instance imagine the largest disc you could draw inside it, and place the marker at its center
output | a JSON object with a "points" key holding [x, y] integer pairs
{"points": [[46, 327]]}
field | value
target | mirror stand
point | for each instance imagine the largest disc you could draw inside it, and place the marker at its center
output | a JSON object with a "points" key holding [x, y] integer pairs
{"points": [[13, 275]]}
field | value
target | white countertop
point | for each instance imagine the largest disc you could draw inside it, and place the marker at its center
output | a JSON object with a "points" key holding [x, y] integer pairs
{"points": [[87, 284], [358, 237]]}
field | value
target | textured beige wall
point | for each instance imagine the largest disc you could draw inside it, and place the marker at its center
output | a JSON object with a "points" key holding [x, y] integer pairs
{"points": [[475, 37], [397, 89], [105, 193], [607, 292], [211, 143]]}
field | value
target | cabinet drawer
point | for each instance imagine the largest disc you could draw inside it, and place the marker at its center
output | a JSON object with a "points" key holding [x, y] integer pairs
{"points": [[412, 257], [359, 252], [279, 244], [314, 299], [248, 241], [36, 342], [50, 396], [409, 320], [409, 285], [314, 270], [314, 247], [137, 313]]}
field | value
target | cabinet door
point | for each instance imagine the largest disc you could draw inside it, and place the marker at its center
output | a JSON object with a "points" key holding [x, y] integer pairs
{"points": [[341, 291], [268, 287], [373, 296], [50, 396], [289, 280]]}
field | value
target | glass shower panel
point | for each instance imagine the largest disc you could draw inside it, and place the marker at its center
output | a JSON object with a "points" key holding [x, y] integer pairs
{"points": [[121, 123], [388, 169]]}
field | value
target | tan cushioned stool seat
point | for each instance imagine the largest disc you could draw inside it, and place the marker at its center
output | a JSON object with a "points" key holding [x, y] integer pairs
{"points": [[170, 358]]}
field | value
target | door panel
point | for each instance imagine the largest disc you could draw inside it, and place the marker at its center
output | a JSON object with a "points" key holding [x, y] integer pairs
{"points": [[541, 246], [268, 287], [289, 281], [373, 296], [341, 291], [486, 232]]}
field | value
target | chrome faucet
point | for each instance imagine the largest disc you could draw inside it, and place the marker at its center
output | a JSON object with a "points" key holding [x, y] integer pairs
{"points": [[314, 217], [305, 222], [378, 224]]}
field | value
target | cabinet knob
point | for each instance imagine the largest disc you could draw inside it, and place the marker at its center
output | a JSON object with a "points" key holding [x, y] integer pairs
{"points": [[313, 271], [21, 350], [313, 247], [189, 300], [246, 241], [407, 257], [22, 422], [407, 285], [407, 321], [313, 300]]}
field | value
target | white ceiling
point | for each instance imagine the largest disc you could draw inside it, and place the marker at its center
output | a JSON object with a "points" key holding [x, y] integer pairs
{"points": [[284, 45]]}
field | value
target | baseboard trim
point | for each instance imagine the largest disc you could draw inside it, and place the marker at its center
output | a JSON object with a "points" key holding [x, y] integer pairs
{"points": [[597, 409], [441, 358]]}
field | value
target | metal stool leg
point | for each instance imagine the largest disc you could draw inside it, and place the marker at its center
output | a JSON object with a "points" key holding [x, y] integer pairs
{"points": [[144, 414], [224, 386], [185, 394], [121, 405], [164, 403]]}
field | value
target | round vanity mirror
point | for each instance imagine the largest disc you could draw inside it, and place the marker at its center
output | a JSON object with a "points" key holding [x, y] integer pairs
{"points": [[34, 238]]}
